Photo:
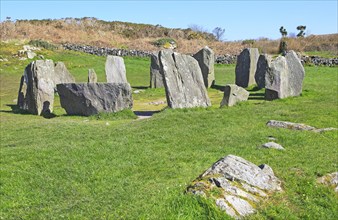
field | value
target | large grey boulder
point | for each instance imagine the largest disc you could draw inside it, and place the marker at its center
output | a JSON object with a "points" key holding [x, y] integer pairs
{"points": [[240, 184], [92, 77], [156, 78], [285, 78], [234, 94], [115, 70], [263, 68], [183, 81], [91, 98], [36, 92], [61, 74], [246, 67], [206, 60]]}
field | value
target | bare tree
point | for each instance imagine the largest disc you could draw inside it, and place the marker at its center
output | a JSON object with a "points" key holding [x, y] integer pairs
{"points": [[197, 28], [218, 32]]}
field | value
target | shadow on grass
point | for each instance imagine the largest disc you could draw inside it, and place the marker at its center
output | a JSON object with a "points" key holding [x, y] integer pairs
{"points": [[16, 110], [145, 113], [218, 87], [257, 96], [140, 87]]}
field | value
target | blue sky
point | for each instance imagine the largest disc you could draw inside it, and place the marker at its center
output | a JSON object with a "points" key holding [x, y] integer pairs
{"points": [[240, 19]]}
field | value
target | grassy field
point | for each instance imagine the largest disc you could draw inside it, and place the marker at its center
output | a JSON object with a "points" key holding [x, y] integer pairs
{"points": [[77, 167]]}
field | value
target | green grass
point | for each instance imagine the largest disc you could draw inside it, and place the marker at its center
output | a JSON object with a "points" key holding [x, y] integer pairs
{"points": [[78, 167]]}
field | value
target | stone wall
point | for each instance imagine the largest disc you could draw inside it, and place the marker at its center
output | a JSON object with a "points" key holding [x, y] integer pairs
{"points": [[222, 59]]}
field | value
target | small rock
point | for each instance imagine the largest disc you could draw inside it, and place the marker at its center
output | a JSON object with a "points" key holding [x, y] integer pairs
{"points": [[136, 92], [92, 77], [271, 138], [273, 145], [41, 57], [22, 58], [30, 54]]}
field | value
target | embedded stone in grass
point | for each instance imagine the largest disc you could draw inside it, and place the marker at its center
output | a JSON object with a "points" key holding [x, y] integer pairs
{"points": [[206, 61], [246, 67], [92, 77], [234, 94], [92, 98], [241, 184], [156, 78], [273, 145], [296, 126], [183, 81], [115, 70], [330, 179]]}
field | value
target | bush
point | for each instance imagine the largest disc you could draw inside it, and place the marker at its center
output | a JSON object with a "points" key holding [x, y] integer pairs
{"points": [[165, 43], [43, 44], [248, 42]]}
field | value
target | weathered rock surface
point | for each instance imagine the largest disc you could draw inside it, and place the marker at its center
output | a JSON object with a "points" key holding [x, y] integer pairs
{"points": [[285, 78], [183, 81], [92, 77], [115, 70], [206, 60], [36, 92], [296, 73], [156, 78], [61, 74], [273, 145], [263, 68], [246, 67], [92, 98], [239, 182], [234, 94], [330, 180], [296, 126]]}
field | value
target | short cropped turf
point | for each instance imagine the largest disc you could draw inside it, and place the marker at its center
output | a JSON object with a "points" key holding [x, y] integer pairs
{"points": [[118, 167]]}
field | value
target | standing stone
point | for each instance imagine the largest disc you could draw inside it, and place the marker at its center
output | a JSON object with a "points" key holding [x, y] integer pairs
{"points": [[156, 78], [92, 77], [38, 79], [276, 81], [286, 77], [22, 104], [263, 68], [93, 98], [183, 81], [246, 67], [296, 74], [206, 61], [234, 94], [62, 75], [115, 70]]}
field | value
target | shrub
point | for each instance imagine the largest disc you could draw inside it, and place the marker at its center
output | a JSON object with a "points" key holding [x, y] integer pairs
{"points": [[248, 42], [43, 44], [165, 43]]}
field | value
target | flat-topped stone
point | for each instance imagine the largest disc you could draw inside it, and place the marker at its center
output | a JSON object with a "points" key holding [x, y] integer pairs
{"points": [[92, 98]]}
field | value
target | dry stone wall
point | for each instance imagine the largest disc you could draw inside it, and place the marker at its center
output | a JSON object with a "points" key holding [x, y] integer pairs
{"points": [[221, 58]]}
